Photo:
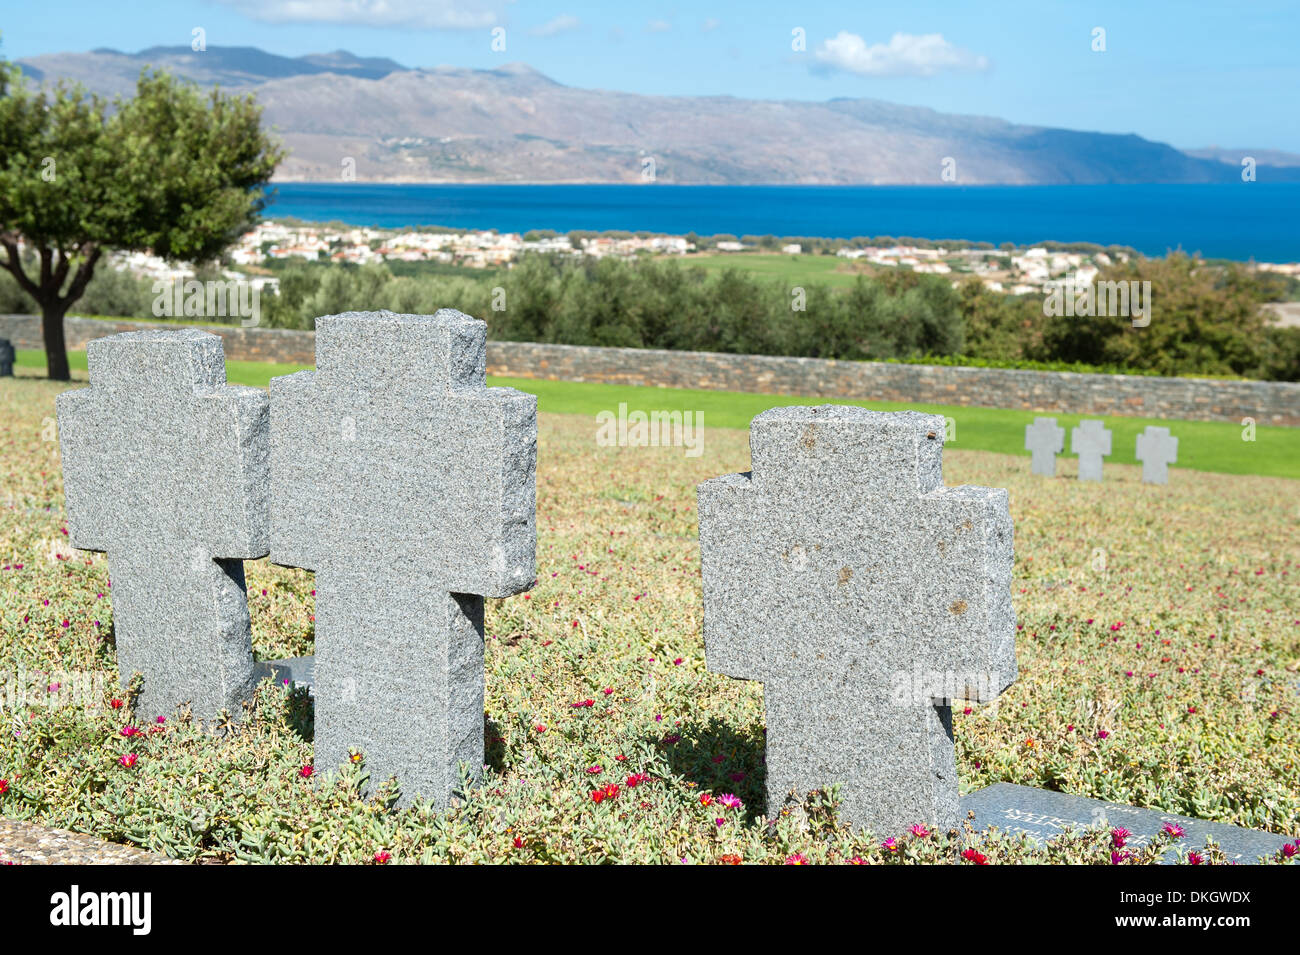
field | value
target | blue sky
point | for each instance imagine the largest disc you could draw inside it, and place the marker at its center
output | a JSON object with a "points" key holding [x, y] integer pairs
{"points": [[1190, 74]]}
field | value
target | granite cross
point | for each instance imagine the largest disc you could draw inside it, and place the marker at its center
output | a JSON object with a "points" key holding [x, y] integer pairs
{"points": [[1045, 439], [836, 570], [6, 358], [1090, 440], [165, 468], [408, 486], [1156, 449]]}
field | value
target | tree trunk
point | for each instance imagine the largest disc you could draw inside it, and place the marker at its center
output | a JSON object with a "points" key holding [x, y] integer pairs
{"points": [[56, 348]]}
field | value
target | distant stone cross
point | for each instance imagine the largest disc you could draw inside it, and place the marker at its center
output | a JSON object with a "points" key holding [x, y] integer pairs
{"points": [[1156, 449], [1046, 439], [408, 486], [1090, 440], [866, 596], [165, 467]]}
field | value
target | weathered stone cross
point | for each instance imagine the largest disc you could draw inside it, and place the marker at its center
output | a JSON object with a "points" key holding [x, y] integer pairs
{"points": [[866, 596], [165, 468], [1156, 449], [408, 486], [1090, 440], [1045, 439]]}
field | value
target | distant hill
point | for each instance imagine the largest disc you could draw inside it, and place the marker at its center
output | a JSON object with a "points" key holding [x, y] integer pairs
{"points": [[1269, 157], [514, 124]]}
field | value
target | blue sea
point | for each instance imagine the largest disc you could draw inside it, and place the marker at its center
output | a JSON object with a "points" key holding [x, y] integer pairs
{"points": [[1240, 221]]}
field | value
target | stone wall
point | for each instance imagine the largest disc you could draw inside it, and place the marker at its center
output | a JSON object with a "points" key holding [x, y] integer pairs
{"points": [[1196, 399]]}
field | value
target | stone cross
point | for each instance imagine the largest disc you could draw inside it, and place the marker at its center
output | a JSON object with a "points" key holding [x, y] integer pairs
{"points": [[409, 487], [165, 468], [6, 358], [1156, 449], [1045, 439], [1090, 440], [866, 596]]}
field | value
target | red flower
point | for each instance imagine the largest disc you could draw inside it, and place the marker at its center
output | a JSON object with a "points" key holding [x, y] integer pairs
{"points": [[705, 799], [730, 859], [605, 792], [115, 703], [382, 857], [307, 771], [4, 786], [636, 779], [519, 842], [974, 855]]}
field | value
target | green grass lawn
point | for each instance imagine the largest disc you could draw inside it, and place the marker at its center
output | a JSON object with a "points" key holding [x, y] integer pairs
{"points": [[1202, 446], [796, 269]]}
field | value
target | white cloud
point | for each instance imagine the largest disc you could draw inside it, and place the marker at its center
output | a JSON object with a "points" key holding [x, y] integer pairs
{"points": [[905, 54], [711, 24], [421, 14], [658, 26], [561, 24]]}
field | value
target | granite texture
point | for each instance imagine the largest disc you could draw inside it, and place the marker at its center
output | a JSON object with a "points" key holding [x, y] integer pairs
{"points": [[6, 358], [166, 469], [1045, 439], [866, 596], [1156, 449], [1042, 815], [1144, 396], [409, 487], [1090, 440]]}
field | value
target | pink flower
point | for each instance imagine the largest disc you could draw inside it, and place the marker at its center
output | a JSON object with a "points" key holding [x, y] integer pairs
{"points": [[1174, 830], [1118, 836], [129, 731], [890, 844], [128, 760], [1195, 858], [307, 771], [920, 831], [382, 857], [796, 859], [1102, 734], [593, 770], [730, 800]]}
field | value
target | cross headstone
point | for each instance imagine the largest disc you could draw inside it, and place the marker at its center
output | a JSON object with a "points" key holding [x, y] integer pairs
{"points": [[6, 358], [409, 487], [1045, 439], [866, 596], [1090, 440], [165, 468], [1156, 449]]}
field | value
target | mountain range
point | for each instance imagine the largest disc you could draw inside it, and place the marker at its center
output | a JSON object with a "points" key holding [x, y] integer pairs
{"points": [[513, 124]]}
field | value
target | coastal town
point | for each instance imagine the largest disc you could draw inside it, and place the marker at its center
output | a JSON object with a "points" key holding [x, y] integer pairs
{"points": [[1020, 271]]}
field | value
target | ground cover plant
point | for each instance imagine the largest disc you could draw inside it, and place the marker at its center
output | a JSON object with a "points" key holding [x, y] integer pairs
{"points": [[1159, 646]]}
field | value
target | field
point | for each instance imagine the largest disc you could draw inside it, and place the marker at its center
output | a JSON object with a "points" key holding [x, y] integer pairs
{"points": [[796, 269], [1203, 445], [1159, 647]]}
